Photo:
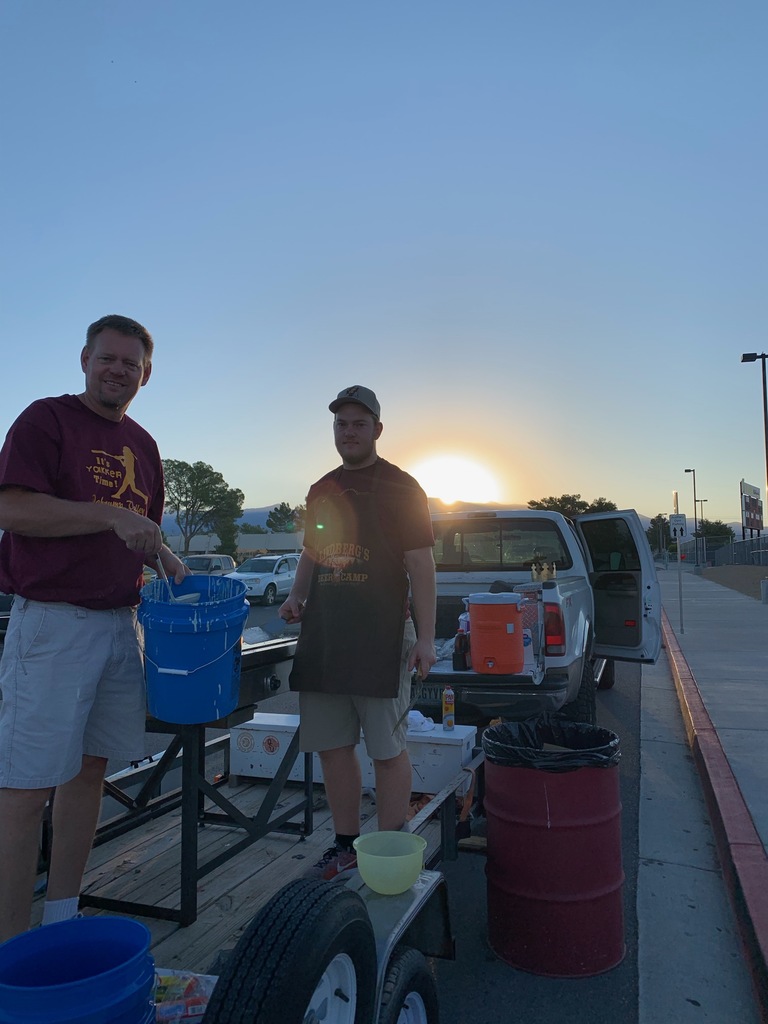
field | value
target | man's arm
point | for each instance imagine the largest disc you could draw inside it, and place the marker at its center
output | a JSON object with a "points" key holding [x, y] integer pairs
{"points": [[32, 514], [420, 565], [292, 609]]}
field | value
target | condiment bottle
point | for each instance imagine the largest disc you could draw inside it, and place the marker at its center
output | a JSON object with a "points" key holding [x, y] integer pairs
{"points": [[449, 703]]}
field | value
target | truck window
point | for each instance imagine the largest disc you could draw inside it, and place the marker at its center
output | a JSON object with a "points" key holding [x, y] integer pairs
{"points": [[611, 545], [497, 544]]}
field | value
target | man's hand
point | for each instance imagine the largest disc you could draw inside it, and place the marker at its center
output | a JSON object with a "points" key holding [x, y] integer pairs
{"points": [[292, 610], [422, 655], [137, 532], [174, 567]]}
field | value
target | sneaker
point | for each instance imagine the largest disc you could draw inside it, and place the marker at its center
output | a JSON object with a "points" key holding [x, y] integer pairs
{"points": [[334, 864]]}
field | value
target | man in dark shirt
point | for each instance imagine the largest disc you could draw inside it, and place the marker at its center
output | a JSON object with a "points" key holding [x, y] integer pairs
{"points": [[81, 500], [368, 536]]}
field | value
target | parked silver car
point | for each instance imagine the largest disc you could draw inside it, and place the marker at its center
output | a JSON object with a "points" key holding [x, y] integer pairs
{"points": [[267, 576], [209, 565]]}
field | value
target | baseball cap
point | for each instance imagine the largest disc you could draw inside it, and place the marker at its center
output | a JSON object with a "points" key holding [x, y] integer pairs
{"points": [[357, 393]]}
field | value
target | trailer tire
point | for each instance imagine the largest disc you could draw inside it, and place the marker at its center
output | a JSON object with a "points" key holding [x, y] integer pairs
{"points": [[608, 676], [309, 950], [409, 994], [583, 708]]}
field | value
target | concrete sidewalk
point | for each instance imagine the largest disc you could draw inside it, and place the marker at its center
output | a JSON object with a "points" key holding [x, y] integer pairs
{"points": [[717, 643]]}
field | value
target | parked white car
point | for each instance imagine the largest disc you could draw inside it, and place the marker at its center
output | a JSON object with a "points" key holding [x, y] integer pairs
{"points": [[267, 576]]}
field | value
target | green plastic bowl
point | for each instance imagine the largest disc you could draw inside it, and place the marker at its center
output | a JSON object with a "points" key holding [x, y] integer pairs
{"points": [[390, 862]]}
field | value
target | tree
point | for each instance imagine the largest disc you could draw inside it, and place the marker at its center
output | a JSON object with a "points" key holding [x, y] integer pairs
{"points": [[571, 505], [715, 528], [252, 528], [284, 519], [224, 522], [299, 516], [200, 499], [658, 532]]}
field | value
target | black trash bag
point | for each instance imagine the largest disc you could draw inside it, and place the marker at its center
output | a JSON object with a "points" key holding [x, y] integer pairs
{"points": [[522, 745]]}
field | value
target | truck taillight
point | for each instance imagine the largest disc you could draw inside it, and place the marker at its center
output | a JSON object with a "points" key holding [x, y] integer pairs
{"points": [[554, 630]]}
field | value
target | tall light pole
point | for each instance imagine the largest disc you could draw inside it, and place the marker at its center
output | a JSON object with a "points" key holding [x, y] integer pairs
{"points": [[695, 520], [751, 357], [701, 525]]}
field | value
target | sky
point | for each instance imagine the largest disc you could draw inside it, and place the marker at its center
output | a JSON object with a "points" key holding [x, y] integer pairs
{"points": [[538, 230]]}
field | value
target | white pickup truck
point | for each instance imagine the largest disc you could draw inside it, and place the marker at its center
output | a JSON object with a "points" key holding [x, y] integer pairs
{"points": [[602, 605]]}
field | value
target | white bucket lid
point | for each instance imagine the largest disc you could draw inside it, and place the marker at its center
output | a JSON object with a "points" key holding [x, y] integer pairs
{"points": [[505, 598]]}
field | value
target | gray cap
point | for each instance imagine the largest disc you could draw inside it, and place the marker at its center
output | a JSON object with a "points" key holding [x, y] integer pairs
{"points": [[357, 393]]}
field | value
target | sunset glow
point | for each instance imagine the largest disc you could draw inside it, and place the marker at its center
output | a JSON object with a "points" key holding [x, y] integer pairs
{"points": [[452, 478]]}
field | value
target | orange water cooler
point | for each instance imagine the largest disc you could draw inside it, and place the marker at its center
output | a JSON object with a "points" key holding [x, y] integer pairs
{"points": [[496, 633]]}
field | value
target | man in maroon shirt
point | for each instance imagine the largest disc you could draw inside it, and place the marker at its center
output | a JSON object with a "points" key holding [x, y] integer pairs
{"points": [[81, 500], [367, 540]]}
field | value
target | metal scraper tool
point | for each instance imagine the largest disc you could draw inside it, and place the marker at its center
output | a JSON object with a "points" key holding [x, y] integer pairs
{"points": [[182, 598], [415, 690]]}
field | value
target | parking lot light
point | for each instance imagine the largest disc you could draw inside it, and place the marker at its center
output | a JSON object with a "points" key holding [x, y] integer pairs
{"points": [[752, 357]]}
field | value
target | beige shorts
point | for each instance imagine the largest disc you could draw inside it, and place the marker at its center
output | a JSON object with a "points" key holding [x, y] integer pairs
{"points": [[72, 683], [330, 720]]}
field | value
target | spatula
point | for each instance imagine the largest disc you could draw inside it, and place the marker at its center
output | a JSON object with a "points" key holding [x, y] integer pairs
{"points": [[182, 598]]}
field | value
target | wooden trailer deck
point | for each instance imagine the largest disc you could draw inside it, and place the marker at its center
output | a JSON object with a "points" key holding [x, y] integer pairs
{"points": [[144, 865]]}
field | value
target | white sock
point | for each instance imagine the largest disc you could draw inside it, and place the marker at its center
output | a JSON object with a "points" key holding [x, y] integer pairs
{"points": [[60, 910]]}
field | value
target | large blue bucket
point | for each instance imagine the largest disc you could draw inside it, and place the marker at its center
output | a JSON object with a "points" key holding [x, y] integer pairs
{"points": [[93, 970], [192, 651]]}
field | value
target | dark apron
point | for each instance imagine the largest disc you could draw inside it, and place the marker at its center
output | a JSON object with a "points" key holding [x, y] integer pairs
{"points": [[352, 630]]}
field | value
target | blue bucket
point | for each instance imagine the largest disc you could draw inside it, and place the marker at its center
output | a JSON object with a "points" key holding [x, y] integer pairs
{"points": [[93, 970], [192, 651]]}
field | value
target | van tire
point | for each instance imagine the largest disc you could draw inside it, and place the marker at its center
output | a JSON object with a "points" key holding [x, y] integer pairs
{"points": [[583, 708], [270, 595], [313, 941]]}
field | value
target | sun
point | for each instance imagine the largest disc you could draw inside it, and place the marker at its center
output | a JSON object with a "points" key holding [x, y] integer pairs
{"points": [[452, 478]]}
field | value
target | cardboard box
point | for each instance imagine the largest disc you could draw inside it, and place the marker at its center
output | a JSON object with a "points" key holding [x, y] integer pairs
{"points": [[257, 748]]}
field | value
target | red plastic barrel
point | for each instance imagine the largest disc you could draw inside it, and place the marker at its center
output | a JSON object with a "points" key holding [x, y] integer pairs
{"points": [[554, 871]]}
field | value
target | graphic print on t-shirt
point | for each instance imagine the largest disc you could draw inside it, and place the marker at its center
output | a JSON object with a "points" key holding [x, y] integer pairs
{"points": [[105, 474], [342, 558]]}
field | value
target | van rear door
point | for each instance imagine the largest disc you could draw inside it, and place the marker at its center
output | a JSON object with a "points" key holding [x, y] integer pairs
{"points": [[626, 591]]}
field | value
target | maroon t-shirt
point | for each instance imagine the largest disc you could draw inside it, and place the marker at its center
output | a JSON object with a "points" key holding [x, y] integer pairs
{"points": [[402, 505], [58, 446]]}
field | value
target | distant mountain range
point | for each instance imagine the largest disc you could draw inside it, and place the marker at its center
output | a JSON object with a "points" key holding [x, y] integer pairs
{"points": [[250, 516], [258, 516]]}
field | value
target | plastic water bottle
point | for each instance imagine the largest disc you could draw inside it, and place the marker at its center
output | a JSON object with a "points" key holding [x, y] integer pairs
{"points": [[449, 704]]}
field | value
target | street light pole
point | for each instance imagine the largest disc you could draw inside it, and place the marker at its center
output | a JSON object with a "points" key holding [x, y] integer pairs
{"points": [[701, 528], [751, 357], [695, 521]]}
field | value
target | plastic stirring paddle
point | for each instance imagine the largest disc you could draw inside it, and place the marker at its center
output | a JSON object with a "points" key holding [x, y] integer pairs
{"points": [[182, 598]]}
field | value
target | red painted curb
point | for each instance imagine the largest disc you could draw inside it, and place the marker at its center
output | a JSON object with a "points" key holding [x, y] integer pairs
{"points": [[741, 852]]}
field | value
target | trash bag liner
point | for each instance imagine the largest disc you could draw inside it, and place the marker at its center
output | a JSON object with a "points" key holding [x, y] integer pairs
{"points": [[530, 743]]}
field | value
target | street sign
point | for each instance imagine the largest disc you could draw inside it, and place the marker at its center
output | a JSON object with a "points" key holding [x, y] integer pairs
{"points": [[678, 526]]}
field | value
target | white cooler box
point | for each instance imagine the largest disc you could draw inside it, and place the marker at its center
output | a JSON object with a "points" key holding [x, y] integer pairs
{"points": [[257, 748]]}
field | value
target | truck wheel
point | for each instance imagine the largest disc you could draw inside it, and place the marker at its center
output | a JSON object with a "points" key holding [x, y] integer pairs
{"points": [[409, 995], [270, 595], [584, 707], [308, 955], [608, 677]]}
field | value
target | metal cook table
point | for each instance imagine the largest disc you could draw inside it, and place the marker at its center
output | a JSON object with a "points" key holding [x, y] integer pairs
{"points": [[265, 669]]}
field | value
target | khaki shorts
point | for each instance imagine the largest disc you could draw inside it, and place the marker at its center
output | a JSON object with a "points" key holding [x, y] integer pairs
{"points": [[330, 720], [72, 683]]}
